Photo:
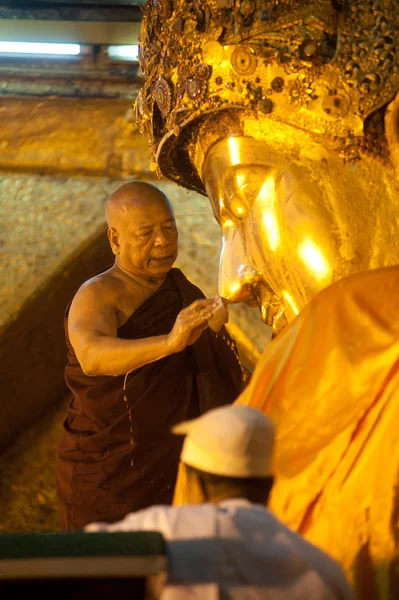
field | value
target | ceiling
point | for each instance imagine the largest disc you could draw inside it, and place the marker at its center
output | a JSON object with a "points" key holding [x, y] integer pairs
{"points": [[28, 4], [87, 10], [95, 25]]}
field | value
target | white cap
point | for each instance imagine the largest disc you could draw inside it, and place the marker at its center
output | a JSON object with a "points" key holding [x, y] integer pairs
{"points": [[232, 441]]}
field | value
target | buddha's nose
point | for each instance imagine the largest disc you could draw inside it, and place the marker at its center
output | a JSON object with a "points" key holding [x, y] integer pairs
{"points": [[237, 278]]}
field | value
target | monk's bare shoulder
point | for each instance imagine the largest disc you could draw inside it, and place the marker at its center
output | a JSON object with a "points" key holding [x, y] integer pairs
{"points": [[106, 283], [102, 290], [93, 311], [107, 294]]}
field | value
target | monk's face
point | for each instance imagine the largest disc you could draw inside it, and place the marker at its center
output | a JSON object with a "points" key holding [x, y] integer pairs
{"points": [[147, 237]]}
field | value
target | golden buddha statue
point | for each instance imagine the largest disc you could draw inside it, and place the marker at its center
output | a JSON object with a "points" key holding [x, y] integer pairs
{"points": [[285, 113]]}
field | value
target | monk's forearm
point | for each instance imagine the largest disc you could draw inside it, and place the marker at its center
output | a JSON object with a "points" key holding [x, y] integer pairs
{"points": [[103, 355]]}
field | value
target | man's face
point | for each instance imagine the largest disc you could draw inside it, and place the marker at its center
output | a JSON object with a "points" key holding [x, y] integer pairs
{"points": [[147, 238]]}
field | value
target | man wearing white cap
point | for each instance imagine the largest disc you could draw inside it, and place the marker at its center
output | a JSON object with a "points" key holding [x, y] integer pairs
{"points": [[225, 544]]}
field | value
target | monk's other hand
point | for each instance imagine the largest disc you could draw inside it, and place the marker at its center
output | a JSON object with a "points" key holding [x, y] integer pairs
{"points": [[190, 323]]}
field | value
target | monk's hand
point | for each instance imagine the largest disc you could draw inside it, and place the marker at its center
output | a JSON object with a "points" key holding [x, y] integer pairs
{"points": [[190, 323]]}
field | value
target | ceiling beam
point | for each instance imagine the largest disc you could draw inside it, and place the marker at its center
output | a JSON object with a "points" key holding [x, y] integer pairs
{"points": [[71, 12], [78, 87], [43, 3], [77, 32]]}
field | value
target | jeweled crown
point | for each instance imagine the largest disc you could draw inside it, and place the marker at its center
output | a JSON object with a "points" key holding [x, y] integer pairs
{"points": [[322, 66]]}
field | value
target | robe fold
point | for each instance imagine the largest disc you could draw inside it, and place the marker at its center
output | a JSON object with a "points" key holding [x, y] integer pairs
{"points": [[330, 382], [116, 453]]}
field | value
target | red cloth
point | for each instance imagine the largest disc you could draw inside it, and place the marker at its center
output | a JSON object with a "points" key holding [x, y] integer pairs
{"points": [[109, 464]]}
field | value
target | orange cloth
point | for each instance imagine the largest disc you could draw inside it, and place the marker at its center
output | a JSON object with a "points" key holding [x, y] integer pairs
{"points": [[330, 382]]}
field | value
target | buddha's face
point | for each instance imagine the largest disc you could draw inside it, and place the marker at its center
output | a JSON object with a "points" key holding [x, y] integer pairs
{"points": [[277, 248], [292, 227]]}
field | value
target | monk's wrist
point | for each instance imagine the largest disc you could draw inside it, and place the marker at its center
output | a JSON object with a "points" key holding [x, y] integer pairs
{"points": [[171, 344]]}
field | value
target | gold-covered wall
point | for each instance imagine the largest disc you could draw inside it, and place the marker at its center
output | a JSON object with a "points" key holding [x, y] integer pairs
{"points": [[87, 136]]}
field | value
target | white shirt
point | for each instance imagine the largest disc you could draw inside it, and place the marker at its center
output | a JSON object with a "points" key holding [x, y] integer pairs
{"points": [[236, 550]]}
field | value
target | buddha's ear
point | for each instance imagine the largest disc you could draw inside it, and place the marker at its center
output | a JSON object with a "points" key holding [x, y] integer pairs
{"points": [[392, 131]]}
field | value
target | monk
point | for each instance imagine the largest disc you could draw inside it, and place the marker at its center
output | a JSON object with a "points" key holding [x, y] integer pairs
{"points": [[141, 358]]}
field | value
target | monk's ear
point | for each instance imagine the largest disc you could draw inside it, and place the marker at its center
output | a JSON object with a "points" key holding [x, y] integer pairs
{"points": [[392, 131], [113, 237]]}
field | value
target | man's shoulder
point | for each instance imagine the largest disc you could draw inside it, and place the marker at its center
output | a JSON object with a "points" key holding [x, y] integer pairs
{"points": [[99, 291], [319, 560], [103, 283]]}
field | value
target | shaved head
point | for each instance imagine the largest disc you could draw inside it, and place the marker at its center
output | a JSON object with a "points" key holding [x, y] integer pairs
{"points": [[135, 194], [142, 229]]}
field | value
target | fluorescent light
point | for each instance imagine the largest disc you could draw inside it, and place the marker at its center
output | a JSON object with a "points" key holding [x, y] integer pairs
{"points": [[39, 48], [124, 52]]}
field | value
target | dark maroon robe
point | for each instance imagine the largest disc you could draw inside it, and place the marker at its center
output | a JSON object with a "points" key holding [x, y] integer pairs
{"points": [[117, 456]]}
